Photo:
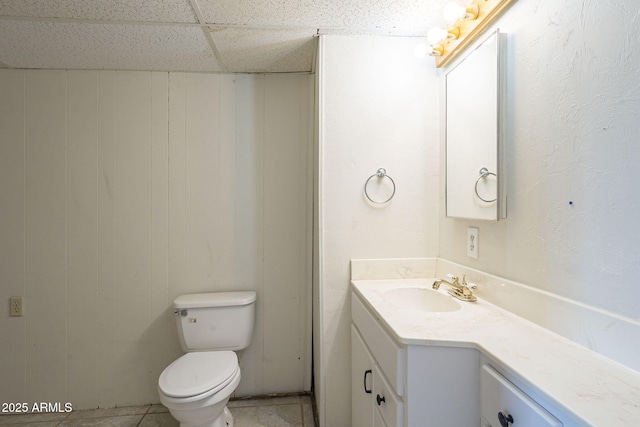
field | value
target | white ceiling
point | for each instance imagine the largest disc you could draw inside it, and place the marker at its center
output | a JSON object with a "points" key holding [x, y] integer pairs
{"points": [[194, 35]]}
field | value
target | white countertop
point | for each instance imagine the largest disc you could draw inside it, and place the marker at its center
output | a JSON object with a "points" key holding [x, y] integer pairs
{"points": [[593, 389]]}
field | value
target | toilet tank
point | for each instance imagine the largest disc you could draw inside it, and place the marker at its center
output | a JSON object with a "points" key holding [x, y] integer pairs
{"points": [[215, 320]]}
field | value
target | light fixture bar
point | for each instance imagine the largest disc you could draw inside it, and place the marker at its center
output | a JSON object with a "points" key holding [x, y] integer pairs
{"points": [[489, 10]]}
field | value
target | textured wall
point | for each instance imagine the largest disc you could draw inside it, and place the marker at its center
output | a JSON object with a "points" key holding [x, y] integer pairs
{"points": [[378, 107], [573, 156], [122, 190]]}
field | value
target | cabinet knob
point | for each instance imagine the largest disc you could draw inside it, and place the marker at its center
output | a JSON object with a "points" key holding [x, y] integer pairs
{"points": [[380, 399], [505, 419]]}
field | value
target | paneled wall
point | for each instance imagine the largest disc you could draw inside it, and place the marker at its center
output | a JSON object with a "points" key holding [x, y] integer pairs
{"points": [[120, 191]]}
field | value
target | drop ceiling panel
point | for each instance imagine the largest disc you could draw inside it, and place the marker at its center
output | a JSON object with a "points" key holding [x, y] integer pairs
{"points": [[265, 50], [114, 10], [396, 32], [270, 12], [40, 44], [362, 14], [173, 35]]}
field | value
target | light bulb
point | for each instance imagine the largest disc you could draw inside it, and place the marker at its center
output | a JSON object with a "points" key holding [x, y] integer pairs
{"points": [[453, 12], [421, 50], [436, 35]]}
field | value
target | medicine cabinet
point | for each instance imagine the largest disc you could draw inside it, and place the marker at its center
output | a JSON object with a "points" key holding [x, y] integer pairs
{"points": [[475, 143]]}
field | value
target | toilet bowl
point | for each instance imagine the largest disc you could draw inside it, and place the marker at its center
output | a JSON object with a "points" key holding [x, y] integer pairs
{"points": [[197, 386]]}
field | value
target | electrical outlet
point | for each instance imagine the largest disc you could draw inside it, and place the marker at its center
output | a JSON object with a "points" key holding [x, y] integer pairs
{"points": [[472, 242], [15, 306]]}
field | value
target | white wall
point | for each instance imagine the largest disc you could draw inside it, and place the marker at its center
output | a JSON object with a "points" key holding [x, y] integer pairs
{"points": [[573, 104], [378, 107], [122, 190], [573, 156]]}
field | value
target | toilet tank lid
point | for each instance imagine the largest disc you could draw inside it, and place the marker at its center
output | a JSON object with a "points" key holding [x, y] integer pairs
{"points": [[215, 299]]}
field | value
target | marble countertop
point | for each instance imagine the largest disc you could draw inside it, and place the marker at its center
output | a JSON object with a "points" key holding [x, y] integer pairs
{"points": [[594, 390]]}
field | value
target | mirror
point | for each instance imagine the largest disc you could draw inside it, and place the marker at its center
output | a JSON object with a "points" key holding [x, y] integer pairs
{"points": [[475, 170]]}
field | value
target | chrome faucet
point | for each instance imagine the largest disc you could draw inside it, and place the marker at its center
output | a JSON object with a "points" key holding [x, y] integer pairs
{"points": [[463, 291]]}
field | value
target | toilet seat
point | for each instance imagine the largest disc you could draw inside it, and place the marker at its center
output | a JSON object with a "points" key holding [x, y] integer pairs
{"points": [[198, 373]]}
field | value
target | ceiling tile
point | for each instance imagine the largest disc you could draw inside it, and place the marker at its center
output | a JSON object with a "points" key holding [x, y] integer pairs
{"points": [[116, 10], [270, 50], [249, 35], [396, 32], [364, 14], [265, 12], [38, 44]]}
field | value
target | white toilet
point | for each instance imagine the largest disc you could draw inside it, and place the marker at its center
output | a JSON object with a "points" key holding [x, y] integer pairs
{"points": [[211, 326]]}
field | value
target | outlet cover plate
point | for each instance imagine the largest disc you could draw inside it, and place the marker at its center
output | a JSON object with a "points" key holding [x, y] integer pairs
{"points": [[472, 242], [15, 309]]}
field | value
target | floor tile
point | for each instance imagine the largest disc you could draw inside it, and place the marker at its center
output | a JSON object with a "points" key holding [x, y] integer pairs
{"points": [[109, 412], [121, 421], [159, 420], [157, 409], [269, 401], [286, 411], [33, 424], [305, 398], [286, 415], [32, 418], [307, 415]]}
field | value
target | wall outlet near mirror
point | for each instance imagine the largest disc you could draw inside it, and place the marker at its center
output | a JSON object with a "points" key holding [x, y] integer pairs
{"points": [[472, 242]]}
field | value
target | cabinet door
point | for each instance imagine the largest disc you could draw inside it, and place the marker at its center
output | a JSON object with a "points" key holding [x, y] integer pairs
{"points": [[387, 403], [377, 420], [361, 381], [499, 398]]}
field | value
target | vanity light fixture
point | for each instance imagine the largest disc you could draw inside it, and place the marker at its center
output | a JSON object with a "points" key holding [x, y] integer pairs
{"points": [[469, 22]]}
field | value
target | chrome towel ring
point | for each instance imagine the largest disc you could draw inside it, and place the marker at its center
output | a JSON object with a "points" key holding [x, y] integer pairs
{"points": [[484, 172], [381, 173]]}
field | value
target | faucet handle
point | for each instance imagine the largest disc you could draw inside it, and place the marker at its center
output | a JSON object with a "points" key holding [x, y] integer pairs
{"points": [[469, 285], [468, 288], [454, 279]]}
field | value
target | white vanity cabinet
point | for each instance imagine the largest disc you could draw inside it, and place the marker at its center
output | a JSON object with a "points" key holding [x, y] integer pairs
{"points": [[377, 376], [476, 366], [504, 404], [411, 385], [361, 381], [386, 401], [373, 399]]}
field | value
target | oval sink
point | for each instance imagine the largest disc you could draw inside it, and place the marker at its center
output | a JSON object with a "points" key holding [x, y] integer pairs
{"points": [[420, 299]]}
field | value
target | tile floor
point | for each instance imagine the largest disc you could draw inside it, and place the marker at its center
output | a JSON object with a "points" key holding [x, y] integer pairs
{"points": [[288, 411]]}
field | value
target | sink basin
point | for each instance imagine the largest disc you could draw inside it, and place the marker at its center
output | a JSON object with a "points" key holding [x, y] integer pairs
{"points": [[420, 299]]}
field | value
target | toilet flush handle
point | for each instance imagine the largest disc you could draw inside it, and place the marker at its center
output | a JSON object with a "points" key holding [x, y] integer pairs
{"points": [[181, 312]]}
